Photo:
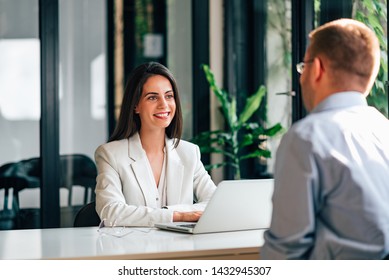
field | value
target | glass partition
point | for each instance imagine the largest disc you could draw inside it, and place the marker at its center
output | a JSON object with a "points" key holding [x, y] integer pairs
{"points": [[279, 77], [20, 110], [83, 94], [19, 80], [179, 55]]}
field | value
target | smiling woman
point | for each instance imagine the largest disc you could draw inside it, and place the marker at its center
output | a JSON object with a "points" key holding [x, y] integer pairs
{"points": [[146, 173], [156, 107]]}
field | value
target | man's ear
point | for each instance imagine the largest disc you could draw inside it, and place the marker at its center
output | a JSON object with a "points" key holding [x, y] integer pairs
{"points": [[318, 68]]}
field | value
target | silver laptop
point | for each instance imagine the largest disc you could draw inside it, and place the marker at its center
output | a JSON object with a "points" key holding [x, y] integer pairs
{"points": [[235, 205]]}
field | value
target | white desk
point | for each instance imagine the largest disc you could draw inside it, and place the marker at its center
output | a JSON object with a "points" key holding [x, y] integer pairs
{"points": [[139, 243]]}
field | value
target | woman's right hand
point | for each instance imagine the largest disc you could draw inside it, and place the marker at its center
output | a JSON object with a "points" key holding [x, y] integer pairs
{"points": [[193, 216]]}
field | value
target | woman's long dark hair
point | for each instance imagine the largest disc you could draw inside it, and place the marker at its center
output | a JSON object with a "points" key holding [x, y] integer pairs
{"points": [[129, 122]]}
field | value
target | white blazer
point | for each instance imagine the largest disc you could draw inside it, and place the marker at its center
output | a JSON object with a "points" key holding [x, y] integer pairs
{"points": [[123, 191]]}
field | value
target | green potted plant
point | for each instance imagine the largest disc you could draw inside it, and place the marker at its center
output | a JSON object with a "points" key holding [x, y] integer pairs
{"points": [[241, 139], [374, 14]]}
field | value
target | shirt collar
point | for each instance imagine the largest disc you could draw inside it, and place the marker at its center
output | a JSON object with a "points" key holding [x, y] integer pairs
{"points": [[341, 100]]}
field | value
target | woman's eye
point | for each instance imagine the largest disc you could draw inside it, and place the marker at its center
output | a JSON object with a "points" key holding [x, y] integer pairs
{"points": [[170, 96], [152, 98]]}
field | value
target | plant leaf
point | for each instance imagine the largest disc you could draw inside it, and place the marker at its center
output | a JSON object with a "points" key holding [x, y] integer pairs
{"points": [[210, 149], [221, 95], [214, 166], [247, 140], [275, 129], [232, 114], [257, 153], [252, 104]]}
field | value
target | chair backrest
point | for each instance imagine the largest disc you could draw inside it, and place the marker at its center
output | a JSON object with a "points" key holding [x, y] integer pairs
{"points": [[87, 216], [10, 204], [12, 184], [28, 169], [78, 169], [19, 176]]}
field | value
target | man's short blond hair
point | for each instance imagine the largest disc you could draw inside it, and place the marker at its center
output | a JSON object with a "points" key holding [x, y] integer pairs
{"points": [[349, 45]]}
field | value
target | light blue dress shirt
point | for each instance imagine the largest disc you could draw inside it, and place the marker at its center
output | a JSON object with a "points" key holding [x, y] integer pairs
{"points": [[331, 193]]}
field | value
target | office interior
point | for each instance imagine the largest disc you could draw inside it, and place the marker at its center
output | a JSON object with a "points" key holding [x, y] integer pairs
{"points": [[64, 64]]}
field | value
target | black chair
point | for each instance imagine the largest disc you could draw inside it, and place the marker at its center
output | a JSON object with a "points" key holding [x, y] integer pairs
{"points": [[87, 216], [19, 176], [76, 170], [15, 176], [9, 217]]}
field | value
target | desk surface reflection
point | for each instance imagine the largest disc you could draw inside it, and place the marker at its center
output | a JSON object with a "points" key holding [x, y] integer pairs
{"points": [[133, 243]]}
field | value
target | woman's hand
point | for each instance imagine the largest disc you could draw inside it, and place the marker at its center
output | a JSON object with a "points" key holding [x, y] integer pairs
{"points": [[193, 216]]}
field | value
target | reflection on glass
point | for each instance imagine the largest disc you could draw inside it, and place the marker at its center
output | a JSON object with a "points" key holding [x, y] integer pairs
{"points": [[20, 80], [279, 40], [83, 90], [20, 108], [179, 56], [98, 92]]}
